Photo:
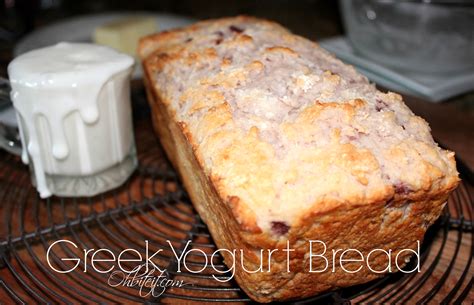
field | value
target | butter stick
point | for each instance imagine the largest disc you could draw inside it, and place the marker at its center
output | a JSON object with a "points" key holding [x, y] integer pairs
{"points": [[123, 34]]}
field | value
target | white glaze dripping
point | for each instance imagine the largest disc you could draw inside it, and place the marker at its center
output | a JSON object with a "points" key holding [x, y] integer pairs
{"points": [[54, 82]]}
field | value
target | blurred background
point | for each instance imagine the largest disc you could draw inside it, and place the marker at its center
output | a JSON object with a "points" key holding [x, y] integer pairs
{"points": [[422, 49], [22, 16]]}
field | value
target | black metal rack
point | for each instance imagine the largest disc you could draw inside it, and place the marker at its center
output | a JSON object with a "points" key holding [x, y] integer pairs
{"points": [[153, 206]]}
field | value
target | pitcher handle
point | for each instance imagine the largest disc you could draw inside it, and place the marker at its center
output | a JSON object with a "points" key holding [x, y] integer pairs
{"points": [[9, 135]]}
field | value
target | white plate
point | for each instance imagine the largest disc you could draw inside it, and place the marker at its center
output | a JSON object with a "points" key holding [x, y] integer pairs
{"points": [[433, 87], [81, 28]]}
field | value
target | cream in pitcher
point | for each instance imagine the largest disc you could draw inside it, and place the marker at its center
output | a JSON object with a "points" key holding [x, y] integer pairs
{"points": [[74, 114]]}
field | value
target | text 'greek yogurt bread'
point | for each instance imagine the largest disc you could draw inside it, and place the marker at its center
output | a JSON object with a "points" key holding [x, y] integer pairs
{"points": [[277, 140]]}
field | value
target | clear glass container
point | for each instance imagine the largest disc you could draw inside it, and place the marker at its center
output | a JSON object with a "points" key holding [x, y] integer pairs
{"points": [[419, 36]]}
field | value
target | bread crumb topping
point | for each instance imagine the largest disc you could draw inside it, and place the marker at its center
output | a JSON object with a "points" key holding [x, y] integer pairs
{"points": [[290, 129]]}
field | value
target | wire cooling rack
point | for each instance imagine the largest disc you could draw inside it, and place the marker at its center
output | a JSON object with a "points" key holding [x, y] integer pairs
{"points": [[153, 206]]}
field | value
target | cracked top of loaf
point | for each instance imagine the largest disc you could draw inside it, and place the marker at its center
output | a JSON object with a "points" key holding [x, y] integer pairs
{"points": [[284, 129]]}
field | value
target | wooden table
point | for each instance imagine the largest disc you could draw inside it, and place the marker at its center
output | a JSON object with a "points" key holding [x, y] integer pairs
{"points": [[451, 122]]}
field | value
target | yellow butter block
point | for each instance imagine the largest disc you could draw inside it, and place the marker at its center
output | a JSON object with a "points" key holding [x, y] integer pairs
{"points": [[123, 34]]}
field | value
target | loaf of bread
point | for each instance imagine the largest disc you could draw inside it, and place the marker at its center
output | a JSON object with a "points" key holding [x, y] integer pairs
{"points": [[276, 140]]}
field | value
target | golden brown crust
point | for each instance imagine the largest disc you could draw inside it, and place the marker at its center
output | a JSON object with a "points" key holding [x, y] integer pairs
{"points": [[356, 208]]}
